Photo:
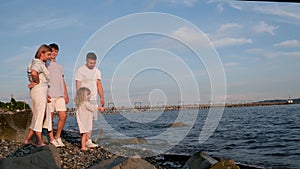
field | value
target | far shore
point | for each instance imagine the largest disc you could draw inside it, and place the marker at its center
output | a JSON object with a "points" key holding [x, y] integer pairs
{"points": [[71, 111]]}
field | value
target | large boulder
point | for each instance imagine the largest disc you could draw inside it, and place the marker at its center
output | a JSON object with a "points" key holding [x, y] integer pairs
{"points": [[14, 125], [128, 141], [177, 124], [225, 164], [124, 163], [200, 161], [44, 157]]}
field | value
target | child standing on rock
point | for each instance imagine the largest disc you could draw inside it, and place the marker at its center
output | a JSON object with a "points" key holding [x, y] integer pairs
{"points": [[84, 114]]}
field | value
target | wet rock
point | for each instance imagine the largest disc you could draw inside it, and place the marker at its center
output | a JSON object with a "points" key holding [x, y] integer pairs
{"points": [[14, 126], [225, 164], [129, 141], [177, 124], [123, 163], [43, 157], [200, 161]]}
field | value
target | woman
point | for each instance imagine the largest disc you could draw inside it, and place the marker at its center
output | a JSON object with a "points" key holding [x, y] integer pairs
{"points": [[38, 94]]}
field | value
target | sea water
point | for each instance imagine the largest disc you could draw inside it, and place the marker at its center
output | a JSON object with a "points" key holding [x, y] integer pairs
{"points": [[265, 136]]}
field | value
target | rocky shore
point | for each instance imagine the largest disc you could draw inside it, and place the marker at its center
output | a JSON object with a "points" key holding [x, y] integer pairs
{"points": [[69, 156], [14, 155]]}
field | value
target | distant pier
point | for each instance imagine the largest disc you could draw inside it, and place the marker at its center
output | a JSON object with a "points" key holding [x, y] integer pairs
{"points": [[139, 108]]}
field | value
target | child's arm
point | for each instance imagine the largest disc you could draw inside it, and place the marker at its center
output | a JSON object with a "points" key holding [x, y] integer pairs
{"points": [[93, 107], [101, 108]]}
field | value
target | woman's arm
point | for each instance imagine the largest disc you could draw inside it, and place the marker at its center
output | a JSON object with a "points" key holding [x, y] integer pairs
{"points": [[35, 76], [35, 79]]}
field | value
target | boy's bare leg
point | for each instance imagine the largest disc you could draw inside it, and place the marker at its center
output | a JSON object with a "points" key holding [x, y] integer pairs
{"points": [[61, 123], [84, 137], [50, 133]]}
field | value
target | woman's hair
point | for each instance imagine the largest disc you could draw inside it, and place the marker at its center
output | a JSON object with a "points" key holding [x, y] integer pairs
{"points": [[42, 49], [81, 96]]}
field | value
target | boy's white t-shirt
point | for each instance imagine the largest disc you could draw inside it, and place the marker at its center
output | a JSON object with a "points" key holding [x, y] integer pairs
{"points": [[88, 78]]}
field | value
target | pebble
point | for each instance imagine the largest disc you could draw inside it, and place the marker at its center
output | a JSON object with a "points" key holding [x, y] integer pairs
{"points": [[71, 156]]}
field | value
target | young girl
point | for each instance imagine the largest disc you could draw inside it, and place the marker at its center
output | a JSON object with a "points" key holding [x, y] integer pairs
{"points": [[84, 114]]}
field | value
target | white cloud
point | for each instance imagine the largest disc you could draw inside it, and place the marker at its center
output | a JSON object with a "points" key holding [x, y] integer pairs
{"points": [[289, 11], [189, 3], [291, 54], [228, 27], [263, 27], [231, 64], [231, 41], [191, 36], [221, 3], [288, 44], [234, 5], [262, 52], [47, 24], [227, 35], [23, 58], [272, 54]]}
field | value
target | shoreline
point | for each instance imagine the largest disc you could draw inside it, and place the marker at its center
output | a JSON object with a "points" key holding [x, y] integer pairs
{"points": [[72, 157]]}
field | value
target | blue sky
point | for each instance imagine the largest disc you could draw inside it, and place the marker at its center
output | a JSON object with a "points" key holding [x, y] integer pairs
{"points": [[258, 44]]}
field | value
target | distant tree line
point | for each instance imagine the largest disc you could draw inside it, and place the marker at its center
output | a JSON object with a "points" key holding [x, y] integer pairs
{"points": [[14, 105]]}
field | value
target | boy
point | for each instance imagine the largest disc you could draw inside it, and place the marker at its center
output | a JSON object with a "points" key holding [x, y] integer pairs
{"points": [[58, 95]]}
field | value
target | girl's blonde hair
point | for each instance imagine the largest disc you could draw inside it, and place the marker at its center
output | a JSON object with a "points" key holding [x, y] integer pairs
{"points": [[81, 96]]}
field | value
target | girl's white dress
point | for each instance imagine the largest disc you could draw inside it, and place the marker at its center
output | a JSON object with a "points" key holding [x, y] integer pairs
{"points": [[84, 116], [38, 95]]}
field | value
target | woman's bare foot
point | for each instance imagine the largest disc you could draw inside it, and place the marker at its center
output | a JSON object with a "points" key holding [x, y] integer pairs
{"points": [[29, 142], [84, 149], [41, 145]]}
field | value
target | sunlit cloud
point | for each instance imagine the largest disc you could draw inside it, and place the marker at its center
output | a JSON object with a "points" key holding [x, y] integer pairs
{"points": [[263, 52], [291, 54], [221, 3], [186, 3], [263, 27], [21, 60], [228, 27], [288, 44], [231, 42], [289, 11], [191, 36], [227, 35], [231, 64]]}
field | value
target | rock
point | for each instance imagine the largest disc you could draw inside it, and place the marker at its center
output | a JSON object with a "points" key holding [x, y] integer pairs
{"points": [[43, 157], [200, 161], [225, 164], [177, 124], [128, 141], [14, 126], [124, 163]]}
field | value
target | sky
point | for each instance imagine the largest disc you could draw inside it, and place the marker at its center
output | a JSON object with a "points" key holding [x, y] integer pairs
{"points": [[157, 52]]}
